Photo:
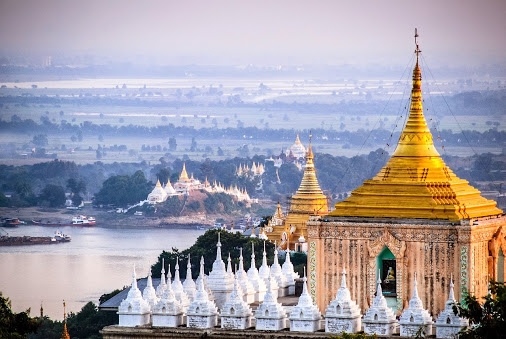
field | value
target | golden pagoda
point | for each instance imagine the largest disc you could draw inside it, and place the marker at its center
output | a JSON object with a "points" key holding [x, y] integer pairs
{"points": [[416, 183], [308, 200], [414, 217], [183, 177]]}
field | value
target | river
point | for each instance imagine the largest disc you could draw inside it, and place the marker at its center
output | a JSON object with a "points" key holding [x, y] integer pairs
{"points": [[96, 261]]}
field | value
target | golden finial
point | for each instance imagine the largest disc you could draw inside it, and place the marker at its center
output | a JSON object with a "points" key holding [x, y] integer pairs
{"points": [[417, 50]]}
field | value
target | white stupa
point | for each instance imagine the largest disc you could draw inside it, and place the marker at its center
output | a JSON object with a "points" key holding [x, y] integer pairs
{"points": [[264, 271], [448, 324], [169, 189], [178, 289], [236, 314], [274, 284], [158, 194], [189, 285], [343, 314], [289, 273], [162, 285], [277, 273], [270, 314], [149, 292], [254, 278], [305, 316], [415, 316], [379, 318], [220, 282], [202, 276], [202, 312], [168, 311], [247, 287], [134, 310], [230, 272]]}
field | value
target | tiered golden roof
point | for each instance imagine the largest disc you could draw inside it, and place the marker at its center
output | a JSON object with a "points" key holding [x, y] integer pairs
{"points": [[309, 198], [415, 182]]}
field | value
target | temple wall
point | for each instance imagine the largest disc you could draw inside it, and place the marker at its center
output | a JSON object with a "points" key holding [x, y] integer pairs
{"points": [[116, 332], [435, 251]]}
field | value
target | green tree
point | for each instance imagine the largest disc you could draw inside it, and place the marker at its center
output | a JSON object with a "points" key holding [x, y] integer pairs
{"points": [[89, 321], [40, 140], [121, 190], [172, 144], [487, 320], [163, 175], [205, 246], [14, 325], [52, 196], [4, 201], [193, 146], [77, 187]]}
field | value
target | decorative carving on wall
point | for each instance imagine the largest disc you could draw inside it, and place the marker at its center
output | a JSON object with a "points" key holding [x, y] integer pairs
{"points": [[464, 262], [387, 239], [312, 270]]}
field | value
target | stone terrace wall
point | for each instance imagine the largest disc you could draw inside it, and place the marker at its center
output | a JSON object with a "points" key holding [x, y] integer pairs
{"points": [[147, 332]]}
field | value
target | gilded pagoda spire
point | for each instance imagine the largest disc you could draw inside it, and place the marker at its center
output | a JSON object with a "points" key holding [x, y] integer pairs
{"points": [[415, 182], [309, 198], [184, 174]]}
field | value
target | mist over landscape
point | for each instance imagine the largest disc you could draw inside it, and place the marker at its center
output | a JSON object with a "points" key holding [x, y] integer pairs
{"points": [[99, 100]]}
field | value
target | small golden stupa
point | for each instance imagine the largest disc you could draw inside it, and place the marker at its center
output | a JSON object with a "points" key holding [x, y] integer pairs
{"points": [[308, 200]]}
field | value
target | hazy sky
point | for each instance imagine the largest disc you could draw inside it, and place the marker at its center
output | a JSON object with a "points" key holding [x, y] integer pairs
{"points": [[259, 31]]}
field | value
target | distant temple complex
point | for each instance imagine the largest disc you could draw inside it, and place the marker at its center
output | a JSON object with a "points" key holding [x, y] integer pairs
{"points": [[186, 184]]}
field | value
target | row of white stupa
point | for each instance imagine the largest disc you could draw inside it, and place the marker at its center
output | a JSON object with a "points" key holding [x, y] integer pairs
{"points": [[161, 193], [197, 304]]}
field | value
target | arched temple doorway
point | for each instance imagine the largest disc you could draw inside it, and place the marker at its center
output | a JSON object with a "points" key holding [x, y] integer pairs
{"points": [[387, 268]]}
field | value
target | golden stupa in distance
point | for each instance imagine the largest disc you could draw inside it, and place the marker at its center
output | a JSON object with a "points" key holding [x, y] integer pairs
{"points": [[416, 183]]}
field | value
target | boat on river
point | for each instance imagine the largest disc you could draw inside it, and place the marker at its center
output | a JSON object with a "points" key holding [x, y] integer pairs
{"points": [[83, 220], [11, 222], [61, 237], [80, 220]]}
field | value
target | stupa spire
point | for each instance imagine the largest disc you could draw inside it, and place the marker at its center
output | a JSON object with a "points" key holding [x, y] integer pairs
{"points": [[379, 290], [451, 297], [184, 174], [309, 185], [169, 281], [241, 261], [65, 334], [253, 264], [218, 249], [188, 284], [415, 182]]}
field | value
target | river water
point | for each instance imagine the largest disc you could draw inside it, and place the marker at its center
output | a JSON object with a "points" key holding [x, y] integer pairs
{"points": [[96, 261]]}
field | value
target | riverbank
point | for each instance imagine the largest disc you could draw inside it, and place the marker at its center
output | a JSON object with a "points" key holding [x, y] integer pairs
{"points": [[104, 218]]}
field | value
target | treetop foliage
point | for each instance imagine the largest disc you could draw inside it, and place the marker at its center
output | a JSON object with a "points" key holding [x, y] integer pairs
{"points": [[15, 325], [487, 319], [205, 246]]}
